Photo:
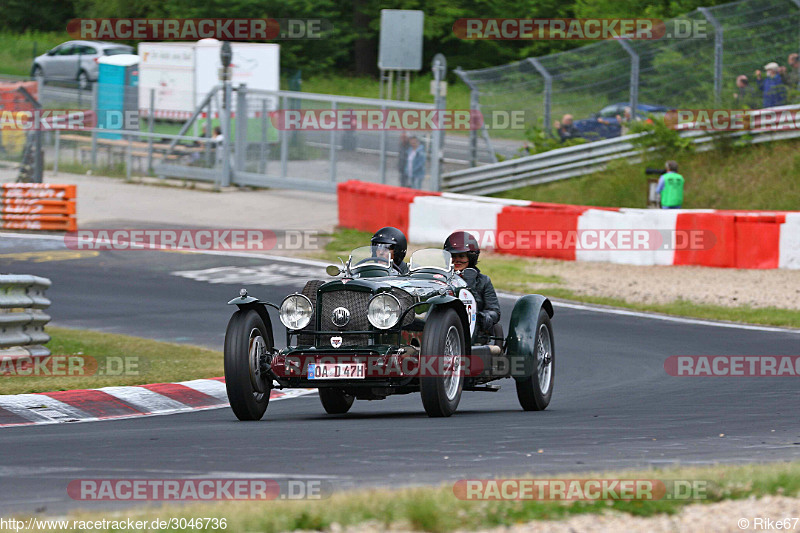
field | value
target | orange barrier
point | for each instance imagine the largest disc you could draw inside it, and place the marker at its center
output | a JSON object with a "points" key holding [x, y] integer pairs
{"points": [[38, 206], [11, 98]]}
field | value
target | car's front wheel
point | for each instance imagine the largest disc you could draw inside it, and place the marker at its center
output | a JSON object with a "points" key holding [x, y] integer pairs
{"points": [[535, 391], [335, 401], [246, 342], [37, 72], [443, 346]]}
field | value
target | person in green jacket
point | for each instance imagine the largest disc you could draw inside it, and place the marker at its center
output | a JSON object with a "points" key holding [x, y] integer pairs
{"points": [[670, 186]]}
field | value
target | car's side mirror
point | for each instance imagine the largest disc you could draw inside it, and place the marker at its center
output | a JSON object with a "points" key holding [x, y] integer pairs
{"points": [[333, 270], [51, 52], [469, 275]]}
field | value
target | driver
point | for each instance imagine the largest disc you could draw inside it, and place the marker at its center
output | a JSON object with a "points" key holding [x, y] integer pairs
{"points": [[464, 249], [390, 243]]}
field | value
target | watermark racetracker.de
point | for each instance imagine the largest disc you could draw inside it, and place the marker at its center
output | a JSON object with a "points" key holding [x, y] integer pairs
{"points": [[595, 239], [568, 29], [733, 365], [199, 489], [233, 239], [193, 29], [580, 489], [71, 366]]}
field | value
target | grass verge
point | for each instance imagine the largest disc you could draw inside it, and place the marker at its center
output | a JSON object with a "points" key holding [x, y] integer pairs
{"points": [[106, 359], [761, 176], [519, 274], [438, 509]]}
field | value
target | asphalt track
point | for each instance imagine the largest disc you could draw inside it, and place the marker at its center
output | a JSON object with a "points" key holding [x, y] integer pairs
{"points": [[614, 406]]}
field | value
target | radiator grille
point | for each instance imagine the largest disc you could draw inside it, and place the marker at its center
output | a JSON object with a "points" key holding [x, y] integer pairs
{"points": [[356, 302]]}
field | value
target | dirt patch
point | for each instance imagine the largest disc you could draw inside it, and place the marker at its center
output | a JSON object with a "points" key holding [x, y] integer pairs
{"points": [[722, 517], [665, 284]]}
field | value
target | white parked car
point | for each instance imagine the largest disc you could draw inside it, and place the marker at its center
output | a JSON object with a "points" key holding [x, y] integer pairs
{"points": [[76, 60]]}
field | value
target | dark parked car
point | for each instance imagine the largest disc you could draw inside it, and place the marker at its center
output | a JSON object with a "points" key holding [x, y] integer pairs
{"points": [[373, 332], [592, 129], [76, 60]]}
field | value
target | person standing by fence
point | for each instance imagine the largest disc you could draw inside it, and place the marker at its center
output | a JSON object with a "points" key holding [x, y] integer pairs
{"points": [[402, 159], [772, 87], [670, 186], [416, 162]]}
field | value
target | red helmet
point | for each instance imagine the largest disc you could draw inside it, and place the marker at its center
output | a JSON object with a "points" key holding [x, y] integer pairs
{"points": [[461, 242]]}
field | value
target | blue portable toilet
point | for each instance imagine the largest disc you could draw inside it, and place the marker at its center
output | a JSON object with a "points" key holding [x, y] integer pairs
{"points": [[118, 94]]}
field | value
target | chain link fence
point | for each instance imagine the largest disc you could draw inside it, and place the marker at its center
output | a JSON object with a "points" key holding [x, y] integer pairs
{"points": [[695, 64]]}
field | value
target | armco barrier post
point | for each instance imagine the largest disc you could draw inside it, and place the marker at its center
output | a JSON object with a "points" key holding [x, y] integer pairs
{"points": [[22, 317]]}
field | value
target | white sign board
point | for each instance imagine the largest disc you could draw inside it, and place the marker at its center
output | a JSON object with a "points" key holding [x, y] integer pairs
{"points": [[400, 45], [182, 74]]}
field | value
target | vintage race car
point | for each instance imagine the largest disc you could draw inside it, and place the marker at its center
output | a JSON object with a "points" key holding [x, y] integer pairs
{"points": [[373, 332]]}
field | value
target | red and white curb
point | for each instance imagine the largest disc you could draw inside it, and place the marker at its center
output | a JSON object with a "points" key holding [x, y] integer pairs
{"points": [[111, 403]]}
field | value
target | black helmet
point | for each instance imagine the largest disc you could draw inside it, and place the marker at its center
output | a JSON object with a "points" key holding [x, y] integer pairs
{"points": [[460, 242], [393, 237]]}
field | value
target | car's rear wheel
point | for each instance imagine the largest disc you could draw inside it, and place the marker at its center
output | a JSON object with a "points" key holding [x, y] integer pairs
{"points": [[335, 401], [246, 342], [442, 340], [534, 392], [83, 80]]}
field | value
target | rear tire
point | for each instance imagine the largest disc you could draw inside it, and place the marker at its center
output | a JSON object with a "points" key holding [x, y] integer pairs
{"points": [[245, 340], [534, 392], [443, 336], [335, 401], [83, 80]]}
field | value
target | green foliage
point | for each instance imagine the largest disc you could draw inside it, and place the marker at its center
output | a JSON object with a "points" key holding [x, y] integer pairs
{"points": [[660, 141]]}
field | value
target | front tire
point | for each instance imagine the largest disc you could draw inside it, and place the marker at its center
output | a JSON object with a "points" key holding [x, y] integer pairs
{"points": [[534, 392], [335, 401], [443, 337], [246, 340]]}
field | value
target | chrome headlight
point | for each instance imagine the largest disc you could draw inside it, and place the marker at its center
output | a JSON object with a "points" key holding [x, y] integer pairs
{"points": [[296, 311], [383, 311]]}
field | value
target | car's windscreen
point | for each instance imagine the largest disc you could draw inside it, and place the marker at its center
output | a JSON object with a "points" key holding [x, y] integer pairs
{"points": [[371, 256], [116, 51], [430, 258]]}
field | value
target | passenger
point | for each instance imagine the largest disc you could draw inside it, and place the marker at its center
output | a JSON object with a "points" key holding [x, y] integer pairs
{"points": [[391, 243], [464, 249]]}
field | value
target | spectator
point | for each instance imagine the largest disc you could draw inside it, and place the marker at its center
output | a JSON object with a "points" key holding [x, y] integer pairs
{"points": [[625, 121], [793, 71], [402, 159], [670, 186], [772, 89], [566, 129], [416, 162], [745, 95], [218, 140]]}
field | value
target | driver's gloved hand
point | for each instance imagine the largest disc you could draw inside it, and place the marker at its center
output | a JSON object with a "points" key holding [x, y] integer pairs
{"points": [[484, 321]]}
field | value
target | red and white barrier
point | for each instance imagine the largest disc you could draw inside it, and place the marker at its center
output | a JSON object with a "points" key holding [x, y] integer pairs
{"points": [[789, 242], [734, 239]]}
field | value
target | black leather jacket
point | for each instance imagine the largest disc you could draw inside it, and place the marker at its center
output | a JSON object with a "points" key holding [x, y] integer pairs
{"points": [[488, 304]]}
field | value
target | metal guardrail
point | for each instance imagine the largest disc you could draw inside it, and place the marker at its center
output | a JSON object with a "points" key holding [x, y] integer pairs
{"points": [[583, 159], [22, 317]]}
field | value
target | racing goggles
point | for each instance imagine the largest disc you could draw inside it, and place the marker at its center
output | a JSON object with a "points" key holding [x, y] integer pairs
{"points": [[383, 250]]}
